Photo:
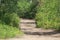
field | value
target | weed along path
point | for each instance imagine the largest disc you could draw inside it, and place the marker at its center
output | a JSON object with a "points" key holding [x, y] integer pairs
{"points": [[32, 33]]}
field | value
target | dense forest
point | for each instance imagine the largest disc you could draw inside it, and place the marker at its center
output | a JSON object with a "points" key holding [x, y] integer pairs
{"points": [[45, 12]]}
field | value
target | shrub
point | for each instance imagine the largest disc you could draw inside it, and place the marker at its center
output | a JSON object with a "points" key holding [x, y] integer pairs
{"points": [[6, 10], [11, 19], [27, 8], [8, 31], [23, 7], [7, 7], [48, 14]]}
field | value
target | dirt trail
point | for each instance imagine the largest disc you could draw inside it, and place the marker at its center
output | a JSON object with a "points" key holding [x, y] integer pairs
{"points": [[32, 33]]}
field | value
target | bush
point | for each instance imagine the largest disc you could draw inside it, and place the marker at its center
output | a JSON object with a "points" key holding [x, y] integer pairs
{"points": [[8, 7], [23, 7], [48, 14], [11, 19], [8, 31], [27, 8]]}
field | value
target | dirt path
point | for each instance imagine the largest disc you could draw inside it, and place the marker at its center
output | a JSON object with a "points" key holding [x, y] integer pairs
{"points": [[32, 33]]}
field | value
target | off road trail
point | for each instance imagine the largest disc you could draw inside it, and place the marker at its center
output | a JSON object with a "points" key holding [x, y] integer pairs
{"points": [[28, 26]]}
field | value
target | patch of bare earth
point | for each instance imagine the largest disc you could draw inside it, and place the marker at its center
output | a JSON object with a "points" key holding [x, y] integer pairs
{"points": [[32, 33]]}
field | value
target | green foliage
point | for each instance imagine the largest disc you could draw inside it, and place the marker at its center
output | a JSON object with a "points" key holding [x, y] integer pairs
{"points": [[23, 7], [48, 14], [27, 8], [8, 13], [8, 31], [7, 6], [11, 19]]}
